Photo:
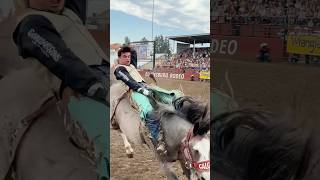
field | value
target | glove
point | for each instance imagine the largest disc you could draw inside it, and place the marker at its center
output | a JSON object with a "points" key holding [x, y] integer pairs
{"points": [[144, 91]]}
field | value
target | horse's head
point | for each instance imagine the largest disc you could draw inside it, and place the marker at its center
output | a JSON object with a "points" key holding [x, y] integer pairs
{"points": [[196, 151]]}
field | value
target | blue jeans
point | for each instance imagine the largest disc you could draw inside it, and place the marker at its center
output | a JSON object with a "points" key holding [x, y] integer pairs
{"points": [[153, 126], [145, 109]]}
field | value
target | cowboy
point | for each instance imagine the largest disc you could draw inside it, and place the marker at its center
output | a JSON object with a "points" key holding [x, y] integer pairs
{"points": [[131, 78], [264, 53], [41, 34], [52, 39]]}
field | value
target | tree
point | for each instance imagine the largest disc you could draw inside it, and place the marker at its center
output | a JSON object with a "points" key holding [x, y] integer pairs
{"points": [[162, 45], [126, 40], [144, 39]]}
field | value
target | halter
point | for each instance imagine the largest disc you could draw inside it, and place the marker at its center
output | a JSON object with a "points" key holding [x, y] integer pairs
{"points": [[189, 161]]}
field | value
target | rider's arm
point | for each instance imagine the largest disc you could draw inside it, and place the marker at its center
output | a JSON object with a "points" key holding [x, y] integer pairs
{"points": [[79, 7], [122, 74], [36, 37]]}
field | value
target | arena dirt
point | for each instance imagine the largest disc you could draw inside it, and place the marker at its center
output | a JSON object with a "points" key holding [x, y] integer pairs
{"points": [[283, 88]]}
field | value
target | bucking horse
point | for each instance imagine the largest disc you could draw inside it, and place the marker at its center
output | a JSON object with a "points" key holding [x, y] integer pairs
{"points": [[185, 125]]}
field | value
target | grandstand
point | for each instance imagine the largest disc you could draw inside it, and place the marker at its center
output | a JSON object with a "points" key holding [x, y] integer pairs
{"points": [[186, 59], [189, 63], [297, 12], [240, 27], [196, 58]]}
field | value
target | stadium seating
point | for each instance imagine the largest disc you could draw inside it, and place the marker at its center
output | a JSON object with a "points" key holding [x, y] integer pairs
{"points": [[299, 12], [185, 60]]}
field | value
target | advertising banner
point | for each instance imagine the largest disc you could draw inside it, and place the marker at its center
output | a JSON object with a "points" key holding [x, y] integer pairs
{"points": [[204, 75], [304, 44]]}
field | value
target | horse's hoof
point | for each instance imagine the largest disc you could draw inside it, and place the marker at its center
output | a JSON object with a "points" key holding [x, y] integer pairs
{"points": [[130, 155]]}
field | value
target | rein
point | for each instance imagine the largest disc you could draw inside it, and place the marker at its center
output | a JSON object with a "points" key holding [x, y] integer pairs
{"points": [[186, 152]]}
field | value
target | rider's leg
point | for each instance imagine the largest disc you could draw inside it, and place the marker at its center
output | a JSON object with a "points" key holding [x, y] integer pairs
{"points": [[151, 121]]}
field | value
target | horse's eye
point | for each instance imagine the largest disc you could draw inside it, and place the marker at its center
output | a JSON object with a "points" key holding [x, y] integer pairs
{"points": [[196, 152]]}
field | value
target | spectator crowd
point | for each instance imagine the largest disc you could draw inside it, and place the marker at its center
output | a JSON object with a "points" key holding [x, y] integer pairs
{"points": [[200, 60], [295, 12]]}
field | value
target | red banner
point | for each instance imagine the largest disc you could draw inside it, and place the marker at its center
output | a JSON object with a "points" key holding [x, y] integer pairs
{"points": [[172, 74], [247, 48]]}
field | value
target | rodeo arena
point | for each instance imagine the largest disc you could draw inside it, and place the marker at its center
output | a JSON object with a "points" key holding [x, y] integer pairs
{"points": [[187, 70], [266, 57]]}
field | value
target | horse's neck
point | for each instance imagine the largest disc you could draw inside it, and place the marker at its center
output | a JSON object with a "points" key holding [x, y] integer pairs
{"points": [[176, 128]]}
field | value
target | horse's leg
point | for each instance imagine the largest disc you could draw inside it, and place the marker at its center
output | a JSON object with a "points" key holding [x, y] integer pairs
{"points": [[127, 145], [167, 170], [46, 153]]}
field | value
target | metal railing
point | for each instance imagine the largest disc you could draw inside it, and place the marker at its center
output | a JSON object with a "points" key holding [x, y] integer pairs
{"points": [[269, 20], [247, 30]]}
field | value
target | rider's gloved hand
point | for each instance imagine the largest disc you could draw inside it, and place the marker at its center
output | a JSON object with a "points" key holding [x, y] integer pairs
{"points": [[144, 91]]}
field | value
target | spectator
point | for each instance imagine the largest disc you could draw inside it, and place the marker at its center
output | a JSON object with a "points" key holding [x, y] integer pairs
{"points": [[264, 53]]}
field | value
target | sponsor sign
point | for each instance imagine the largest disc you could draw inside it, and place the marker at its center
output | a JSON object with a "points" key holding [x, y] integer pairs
{"points": [[167, 75], [204, 75], [304, 44], [202, 165]]}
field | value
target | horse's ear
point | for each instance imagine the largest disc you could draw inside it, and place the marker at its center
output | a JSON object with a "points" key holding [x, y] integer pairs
{"points": [[205, 111], [195, 128], [201, 127]]}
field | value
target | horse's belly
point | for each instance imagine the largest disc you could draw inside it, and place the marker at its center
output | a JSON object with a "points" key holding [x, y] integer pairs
{"points": [[129, 122]]}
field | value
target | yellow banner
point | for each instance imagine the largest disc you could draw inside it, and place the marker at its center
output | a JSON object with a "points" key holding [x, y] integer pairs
{"points": [[304, 44], [204, 75]]}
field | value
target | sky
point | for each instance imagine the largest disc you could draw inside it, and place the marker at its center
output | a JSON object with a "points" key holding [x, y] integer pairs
{"points": [[133, 18]]}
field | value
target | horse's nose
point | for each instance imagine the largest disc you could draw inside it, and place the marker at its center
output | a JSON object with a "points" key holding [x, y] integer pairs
{"points": [[202, 178]]}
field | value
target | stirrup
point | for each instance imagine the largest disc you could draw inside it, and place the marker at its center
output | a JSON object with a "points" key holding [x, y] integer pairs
{"points": [[161, 149]]}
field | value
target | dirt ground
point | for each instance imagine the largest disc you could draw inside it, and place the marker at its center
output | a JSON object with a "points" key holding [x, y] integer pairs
{"points": [[282, 88], [144, 166]]}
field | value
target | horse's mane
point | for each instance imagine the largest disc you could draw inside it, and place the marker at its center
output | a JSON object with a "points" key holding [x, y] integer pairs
{"points": [[189, 109], [258, 145], [193, 110]]}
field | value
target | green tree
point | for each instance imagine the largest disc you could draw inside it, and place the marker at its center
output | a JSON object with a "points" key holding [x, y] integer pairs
{"points": [[162, 45], [144, 39], [126, 40]]}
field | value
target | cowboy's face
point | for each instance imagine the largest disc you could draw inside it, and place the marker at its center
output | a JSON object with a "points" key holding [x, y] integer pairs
{"points": [[55, 6], [125, 58]]}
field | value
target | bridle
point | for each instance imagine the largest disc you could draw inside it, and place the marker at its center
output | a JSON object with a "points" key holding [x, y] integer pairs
{"points": [[186, 154]]}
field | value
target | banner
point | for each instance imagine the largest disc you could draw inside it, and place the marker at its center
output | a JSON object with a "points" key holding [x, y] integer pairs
{"points": [[204, 75], [144, 50], [169, 74], [304, 44]]}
